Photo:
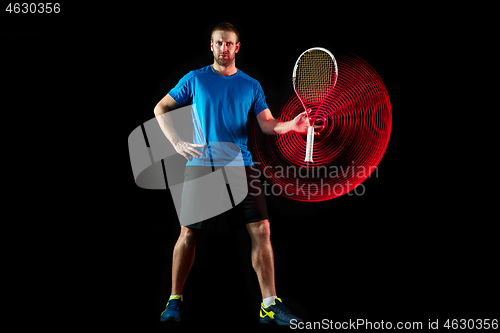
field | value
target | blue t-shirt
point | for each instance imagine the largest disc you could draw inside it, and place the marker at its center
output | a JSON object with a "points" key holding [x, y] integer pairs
{"points": [[220, 107]]}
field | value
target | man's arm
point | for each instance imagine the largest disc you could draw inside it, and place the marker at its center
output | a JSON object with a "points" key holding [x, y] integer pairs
{"points": [[270, 125], [186, 149]]}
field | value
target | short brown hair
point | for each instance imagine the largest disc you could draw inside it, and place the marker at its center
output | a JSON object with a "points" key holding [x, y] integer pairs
{"points": [[226, 26]]}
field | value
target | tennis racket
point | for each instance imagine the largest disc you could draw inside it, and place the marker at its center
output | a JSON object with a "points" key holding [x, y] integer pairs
{"points": [[314, 76]]}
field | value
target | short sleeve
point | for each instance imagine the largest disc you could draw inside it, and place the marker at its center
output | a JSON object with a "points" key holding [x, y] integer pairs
{"points": [[259, 103], [182, 93]]}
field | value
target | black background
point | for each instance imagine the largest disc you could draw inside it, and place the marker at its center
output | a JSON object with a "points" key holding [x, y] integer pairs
{"points": [[405, 250]]}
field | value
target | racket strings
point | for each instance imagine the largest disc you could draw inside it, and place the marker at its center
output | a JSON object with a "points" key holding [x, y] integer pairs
{"points": [[315, 76]]}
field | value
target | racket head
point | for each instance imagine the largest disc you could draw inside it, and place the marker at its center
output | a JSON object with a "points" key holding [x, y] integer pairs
{"points": [[314, 75]]}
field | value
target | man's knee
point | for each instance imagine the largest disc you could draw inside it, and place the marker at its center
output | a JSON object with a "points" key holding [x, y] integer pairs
{"points": [[189, 236], [265, 229], [260, 230]]}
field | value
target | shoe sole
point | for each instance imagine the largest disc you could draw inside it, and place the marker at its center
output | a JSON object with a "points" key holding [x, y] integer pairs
{"points": [[270, 321]]}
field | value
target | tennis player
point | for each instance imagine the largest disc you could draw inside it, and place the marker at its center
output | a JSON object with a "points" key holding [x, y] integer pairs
{"points": [[224, 96]]}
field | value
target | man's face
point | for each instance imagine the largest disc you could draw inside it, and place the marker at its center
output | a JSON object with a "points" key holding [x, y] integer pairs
{"points": [[224, 47]]}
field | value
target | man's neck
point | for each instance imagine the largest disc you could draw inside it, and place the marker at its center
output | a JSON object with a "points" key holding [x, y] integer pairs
{"points": [[225, 70]]}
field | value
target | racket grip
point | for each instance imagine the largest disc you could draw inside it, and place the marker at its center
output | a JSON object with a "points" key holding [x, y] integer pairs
{"points": [[310, 144]]}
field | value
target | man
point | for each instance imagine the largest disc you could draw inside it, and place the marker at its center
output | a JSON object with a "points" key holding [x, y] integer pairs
{"points": [[224, 96]]}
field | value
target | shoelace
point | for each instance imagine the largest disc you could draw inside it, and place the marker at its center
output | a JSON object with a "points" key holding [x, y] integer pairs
{"points": [[173, 304], [281, 308]]}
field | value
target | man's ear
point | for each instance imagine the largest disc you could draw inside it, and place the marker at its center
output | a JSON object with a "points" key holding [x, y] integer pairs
{"points": [[237, 47], [211, 45]]}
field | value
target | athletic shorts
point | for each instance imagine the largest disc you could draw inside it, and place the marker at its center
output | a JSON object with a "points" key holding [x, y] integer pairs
{"points": [[232, 214]]}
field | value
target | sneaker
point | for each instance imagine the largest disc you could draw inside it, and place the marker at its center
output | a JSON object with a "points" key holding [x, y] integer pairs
{"points": [[171, 311], [276, 313]]}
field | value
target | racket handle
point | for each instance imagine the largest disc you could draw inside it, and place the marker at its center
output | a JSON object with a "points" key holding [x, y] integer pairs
{"points": [[310, 144]]}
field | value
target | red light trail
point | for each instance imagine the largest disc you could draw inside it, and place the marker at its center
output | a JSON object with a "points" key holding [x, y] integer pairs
{"points": [[357, 120]]}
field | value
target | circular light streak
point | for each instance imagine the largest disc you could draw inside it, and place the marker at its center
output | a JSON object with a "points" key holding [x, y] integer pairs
{"points": [[356, 121]]}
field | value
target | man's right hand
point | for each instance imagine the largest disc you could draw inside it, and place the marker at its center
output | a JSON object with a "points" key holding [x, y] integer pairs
{"points": [[188, 150]]}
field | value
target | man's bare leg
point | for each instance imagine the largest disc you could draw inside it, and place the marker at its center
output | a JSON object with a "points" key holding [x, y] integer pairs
{"points": [[183, 258], [262, 256]]}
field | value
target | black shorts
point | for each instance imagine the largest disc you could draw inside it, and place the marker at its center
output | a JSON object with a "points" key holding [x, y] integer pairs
{"points": [[251, 209]]}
